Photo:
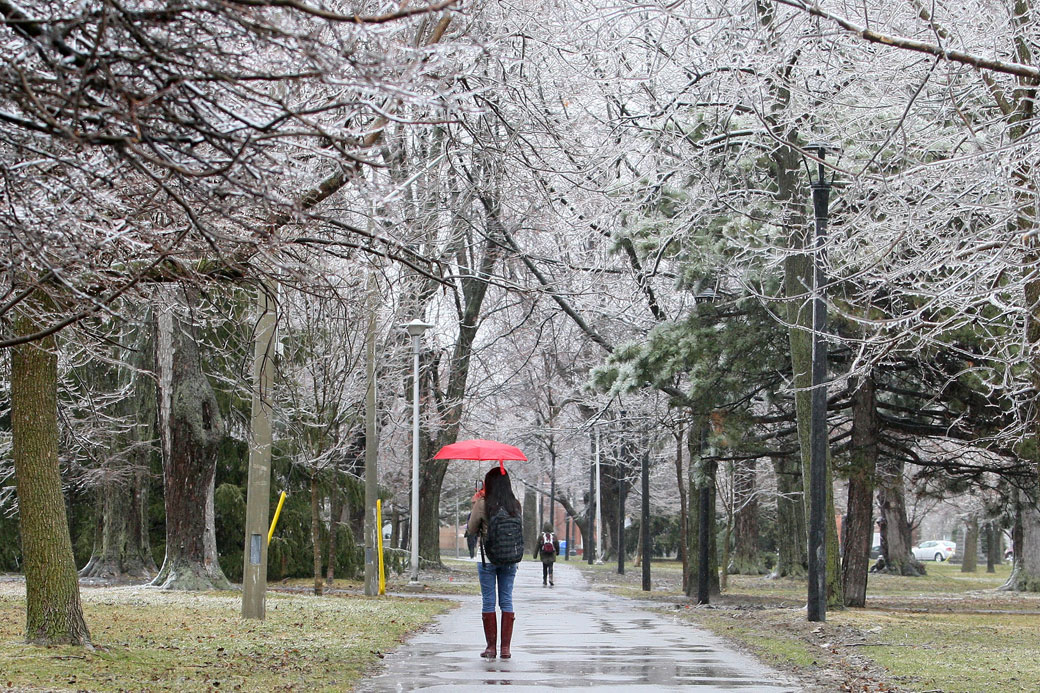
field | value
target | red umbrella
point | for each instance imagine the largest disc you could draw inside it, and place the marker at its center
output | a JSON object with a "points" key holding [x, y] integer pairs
{"points": [[478, 449]]}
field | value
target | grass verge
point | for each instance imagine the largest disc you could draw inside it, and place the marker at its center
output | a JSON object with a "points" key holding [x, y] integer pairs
{"points": [[147, 640], [948, 631]]}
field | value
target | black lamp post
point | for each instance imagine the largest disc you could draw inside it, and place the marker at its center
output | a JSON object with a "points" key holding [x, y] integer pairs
{"points": [[625, 450], [818, 443], [644, 526], [705, 525]]}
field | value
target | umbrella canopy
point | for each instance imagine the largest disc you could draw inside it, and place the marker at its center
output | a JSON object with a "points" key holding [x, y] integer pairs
{"points": [[479, 449]]}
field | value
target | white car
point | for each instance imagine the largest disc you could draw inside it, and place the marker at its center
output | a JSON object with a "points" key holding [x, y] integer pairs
{"points": [[934, 550]]}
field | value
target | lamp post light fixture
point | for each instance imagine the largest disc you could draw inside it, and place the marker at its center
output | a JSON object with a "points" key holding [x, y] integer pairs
{"points": [[818, 439], [415, 329]]}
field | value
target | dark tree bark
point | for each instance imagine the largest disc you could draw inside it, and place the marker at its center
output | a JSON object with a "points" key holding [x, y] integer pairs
{"points": [[702, 473], [395, 528], [969, 560], [859, 523], [792, 560], [338, 512], [122, 549], [992, 549], [316, 533], [54, 613], [895, 528], [530, 521], [476, 272], [1025, 576], [195, 429], [746, 559]]}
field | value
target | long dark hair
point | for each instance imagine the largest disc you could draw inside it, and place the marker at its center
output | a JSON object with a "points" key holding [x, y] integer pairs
{"points": [[498, 493]]}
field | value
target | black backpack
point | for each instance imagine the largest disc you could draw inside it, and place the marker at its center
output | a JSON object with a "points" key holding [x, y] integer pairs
{"points": [[505, 538]]}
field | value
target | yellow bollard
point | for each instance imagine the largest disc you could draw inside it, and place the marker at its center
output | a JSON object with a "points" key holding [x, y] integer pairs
{"points": [[274, 522], [379, 543]]}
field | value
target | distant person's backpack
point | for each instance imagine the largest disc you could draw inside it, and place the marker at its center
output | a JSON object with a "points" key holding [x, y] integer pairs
{"points": [[547, 544], [505, 538]]}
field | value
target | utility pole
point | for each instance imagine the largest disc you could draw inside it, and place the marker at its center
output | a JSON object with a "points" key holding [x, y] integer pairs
{"points": [[371, 449], [258, 490], [599, 504], [621, 503], [567, 553], [552, 489], [645, 524], [817, 598], [592, 525]]}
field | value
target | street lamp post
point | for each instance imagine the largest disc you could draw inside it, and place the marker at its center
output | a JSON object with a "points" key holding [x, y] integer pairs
{"points": [[415, 329], [704, 527], [817, 597], [599, 507], [705, 494], [644, 527], [623, 458]]}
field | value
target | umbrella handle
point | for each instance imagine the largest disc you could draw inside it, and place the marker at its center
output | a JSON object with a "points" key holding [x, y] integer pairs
{"points": [[502, 466]]}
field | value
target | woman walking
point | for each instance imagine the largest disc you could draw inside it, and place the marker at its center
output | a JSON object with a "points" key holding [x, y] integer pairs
{"points": [[496, 520], [548, 549]]}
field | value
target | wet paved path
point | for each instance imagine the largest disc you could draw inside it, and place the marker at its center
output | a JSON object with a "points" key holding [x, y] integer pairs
{"points": [[570, 637]]}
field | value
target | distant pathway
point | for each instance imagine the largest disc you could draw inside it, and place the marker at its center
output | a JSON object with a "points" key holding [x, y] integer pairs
{"points": [[570, 637]]}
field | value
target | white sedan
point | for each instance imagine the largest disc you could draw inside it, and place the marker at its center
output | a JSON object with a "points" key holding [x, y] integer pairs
{"points": [[934, 550]]}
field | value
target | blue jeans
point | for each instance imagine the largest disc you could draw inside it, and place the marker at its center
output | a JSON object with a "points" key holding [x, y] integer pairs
{"points": [[501, 575]]}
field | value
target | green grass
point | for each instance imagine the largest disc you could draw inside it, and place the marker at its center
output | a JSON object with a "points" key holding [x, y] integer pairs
{"points": [[455, 577], [953, 652], [149, 640], [946, 631], [774, 647]]}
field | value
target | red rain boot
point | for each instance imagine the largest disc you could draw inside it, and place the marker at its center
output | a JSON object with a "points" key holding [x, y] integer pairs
{"points": [[491, 633], [507, 632]]}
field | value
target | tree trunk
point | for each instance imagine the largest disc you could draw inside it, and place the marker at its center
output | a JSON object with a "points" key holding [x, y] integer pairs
{"points": [[137, 553], [336, 508], [969, 558], [395, 528], [791, 560], [1025, 576], [746, 559], [194, 429], [211, 561], [137, 556], [798, 282], [992, 549], [316, 534], [859, 523], [895, 528], [106, 559], [54, 613], [431, 476], [99, 533], [122, 548], [702, 473], [531, 528]]}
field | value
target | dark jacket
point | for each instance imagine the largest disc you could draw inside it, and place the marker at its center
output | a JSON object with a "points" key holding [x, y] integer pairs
{"points": [[547, 557]]}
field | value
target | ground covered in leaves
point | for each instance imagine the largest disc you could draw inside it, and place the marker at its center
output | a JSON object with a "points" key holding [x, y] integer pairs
{"points": [[948, 632], [146, 640]]}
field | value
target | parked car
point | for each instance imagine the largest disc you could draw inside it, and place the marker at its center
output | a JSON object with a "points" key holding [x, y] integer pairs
{"points": [[937, 550]]}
